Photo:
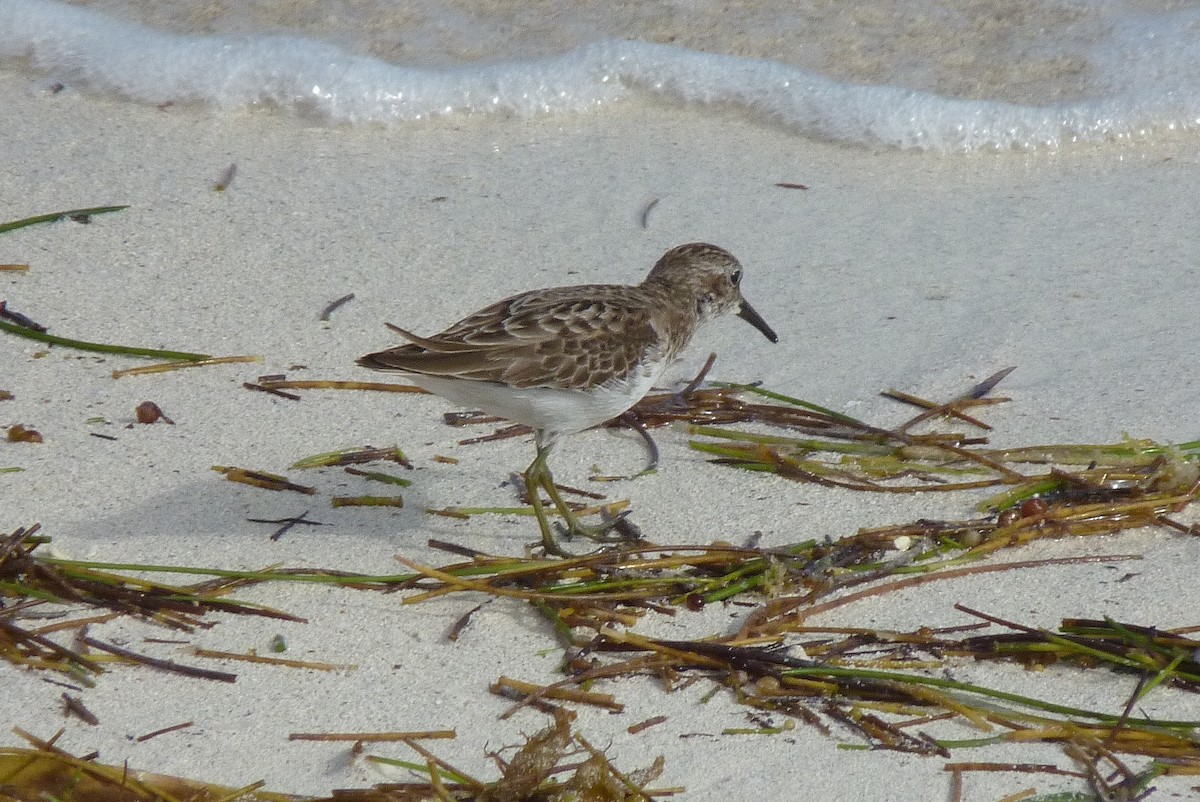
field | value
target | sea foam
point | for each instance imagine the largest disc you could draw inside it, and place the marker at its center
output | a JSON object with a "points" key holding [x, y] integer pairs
{"points": [[1148, 72]]}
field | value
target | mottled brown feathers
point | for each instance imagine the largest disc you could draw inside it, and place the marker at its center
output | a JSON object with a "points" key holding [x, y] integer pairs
{"points": [[572, 337], [581, 337]]}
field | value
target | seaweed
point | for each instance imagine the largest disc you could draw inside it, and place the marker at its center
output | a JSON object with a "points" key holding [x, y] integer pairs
{"points": [[77, 215], [535, 773], [872, 688], [34, 581]]}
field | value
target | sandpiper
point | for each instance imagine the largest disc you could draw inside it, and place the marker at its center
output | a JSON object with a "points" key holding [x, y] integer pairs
{"points": [[565, 359]]}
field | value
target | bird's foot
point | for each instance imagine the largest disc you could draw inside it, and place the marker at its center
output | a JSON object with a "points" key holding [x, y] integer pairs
{"points": [[613, 529]]}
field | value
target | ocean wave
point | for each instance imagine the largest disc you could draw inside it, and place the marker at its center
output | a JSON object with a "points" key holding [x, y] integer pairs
{"points": [[1148, 70]]}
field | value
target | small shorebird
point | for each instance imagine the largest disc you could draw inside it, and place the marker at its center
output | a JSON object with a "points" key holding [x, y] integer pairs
{"points": [[565, 359]]}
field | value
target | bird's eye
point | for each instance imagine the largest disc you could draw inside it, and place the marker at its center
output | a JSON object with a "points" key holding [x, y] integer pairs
{"points": [[736, 277]]}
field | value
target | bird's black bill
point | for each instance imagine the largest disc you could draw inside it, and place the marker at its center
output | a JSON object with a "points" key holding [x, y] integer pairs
{"points": [[748, 314]]}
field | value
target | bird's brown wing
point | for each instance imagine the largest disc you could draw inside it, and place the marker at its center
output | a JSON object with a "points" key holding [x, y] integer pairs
{"points": [[573, 337]]}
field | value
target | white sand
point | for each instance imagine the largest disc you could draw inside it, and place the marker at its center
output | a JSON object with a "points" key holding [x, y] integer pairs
{"points": [[898, 270]]}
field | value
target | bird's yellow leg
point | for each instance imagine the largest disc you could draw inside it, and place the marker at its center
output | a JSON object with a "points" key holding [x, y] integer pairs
{"points": [[574, 526], [537, 476]]}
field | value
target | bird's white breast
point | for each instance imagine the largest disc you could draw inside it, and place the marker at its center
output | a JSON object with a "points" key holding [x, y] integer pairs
{"points": [[551, 409]]}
